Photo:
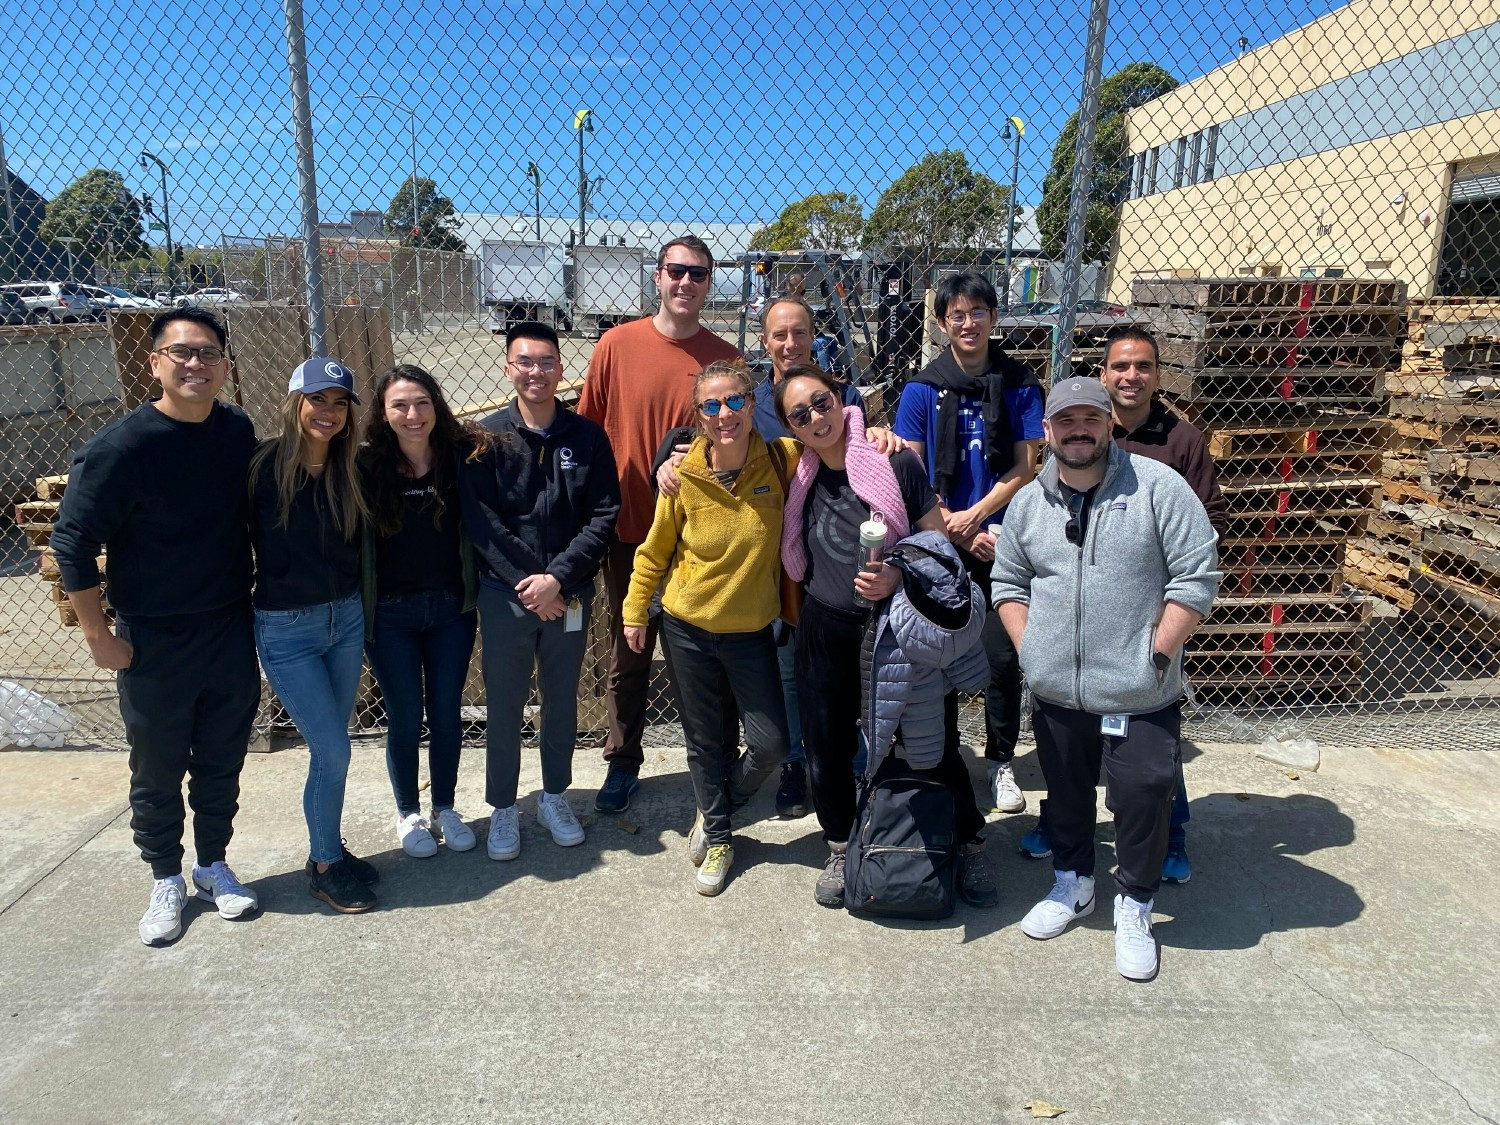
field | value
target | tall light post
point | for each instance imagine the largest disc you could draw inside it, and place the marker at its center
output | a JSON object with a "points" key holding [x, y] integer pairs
{"points": [[1010, 211], [68, 242], [535, 174], [12, 256], [416, 219], [583, 122], [166, 212]]}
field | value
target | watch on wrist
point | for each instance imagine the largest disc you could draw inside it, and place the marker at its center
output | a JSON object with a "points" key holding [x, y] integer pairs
{"points": [[1161, 661]]}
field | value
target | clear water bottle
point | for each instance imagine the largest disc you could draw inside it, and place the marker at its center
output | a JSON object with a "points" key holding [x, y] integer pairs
{"points": [[871, 551]]}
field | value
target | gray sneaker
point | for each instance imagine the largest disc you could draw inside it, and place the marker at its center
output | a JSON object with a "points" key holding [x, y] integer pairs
{"points": [[829, 889], [218, 884], [162, 922]]}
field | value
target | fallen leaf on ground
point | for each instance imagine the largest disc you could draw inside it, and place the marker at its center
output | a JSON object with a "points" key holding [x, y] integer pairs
{"points": [[660, 757], [1295, 776], [423, 787], [1040, 1108], [628, 827], [585, 820], [1242, 796]]}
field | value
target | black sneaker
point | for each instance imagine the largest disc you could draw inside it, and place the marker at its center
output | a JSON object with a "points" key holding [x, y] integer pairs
{"points": [[340, 889], [829, 889], [976, 886], [619, 786], [361, 869], [791, 794]]}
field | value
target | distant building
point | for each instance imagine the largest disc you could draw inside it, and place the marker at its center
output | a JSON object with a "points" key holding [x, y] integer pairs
{"points": [[35, 259], [361, 224]]}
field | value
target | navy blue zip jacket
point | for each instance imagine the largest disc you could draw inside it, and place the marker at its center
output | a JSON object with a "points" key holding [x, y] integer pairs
{"points": [[542, 503]]}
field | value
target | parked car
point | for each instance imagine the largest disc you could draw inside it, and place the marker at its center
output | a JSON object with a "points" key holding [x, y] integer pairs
{"points": [[1093, 319], [58, 301], [213, 296], [13, 310], [102, 298]]}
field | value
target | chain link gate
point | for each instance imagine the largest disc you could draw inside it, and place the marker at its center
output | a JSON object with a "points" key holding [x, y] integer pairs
{"points": [[1302, 201]]}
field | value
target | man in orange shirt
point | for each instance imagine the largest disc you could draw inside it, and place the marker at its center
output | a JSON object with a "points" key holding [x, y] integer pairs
{"points": [[639, 386]]}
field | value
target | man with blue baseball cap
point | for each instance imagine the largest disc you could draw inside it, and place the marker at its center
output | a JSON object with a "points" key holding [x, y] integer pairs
{"points": [[1105, 565]]}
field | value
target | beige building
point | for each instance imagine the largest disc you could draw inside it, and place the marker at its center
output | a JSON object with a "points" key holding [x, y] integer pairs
{"points": [[1366, 144]]}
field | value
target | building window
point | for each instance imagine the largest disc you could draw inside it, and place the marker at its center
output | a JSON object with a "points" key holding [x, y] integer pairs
{"points": [[1195, 168], [1138, 176], [1210, 152], [1153, 168], [1378, 265], [1179, 170]]}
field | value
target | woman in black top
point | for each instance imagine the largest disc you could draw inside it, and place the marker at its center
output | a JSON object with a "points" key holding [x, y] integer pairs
{"points": [[420, 593], [305, 515]]}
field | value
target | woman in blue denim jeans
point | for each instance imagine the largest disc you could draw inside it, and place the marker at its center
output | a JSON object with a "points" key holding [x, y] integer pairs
{"points": [[306, 510], [420, 590]]}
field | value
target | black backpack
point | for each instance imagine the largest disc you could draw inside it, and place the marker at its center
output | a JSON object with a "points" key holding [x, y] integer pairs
{"points": [[902, 860]]}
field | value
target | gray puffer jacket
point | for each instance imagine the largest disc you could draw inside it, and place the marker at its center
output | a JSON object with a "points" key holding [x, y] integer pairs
{"points": [[923, 642]]}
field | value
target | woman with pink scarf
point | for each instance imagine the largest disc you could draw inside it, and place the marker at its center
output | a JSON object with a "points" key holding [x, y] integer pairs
{"points": [[840, 483]]}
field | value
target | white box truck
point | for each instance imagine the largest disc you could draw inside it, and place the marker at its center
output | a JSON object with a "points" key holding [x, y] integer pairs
{"points": [[608, 286], [523, 281]]}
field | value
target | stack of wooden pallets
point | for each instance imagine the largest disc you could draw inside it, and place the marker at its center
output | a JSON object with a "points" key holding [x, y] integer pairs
{"points": [[36, 518], [1287, 379]]}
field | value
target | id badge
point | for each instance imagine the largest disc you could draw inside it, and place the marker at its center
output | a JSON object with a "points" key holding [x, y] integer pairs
{"points": [[1114, 726], [573, 617]]}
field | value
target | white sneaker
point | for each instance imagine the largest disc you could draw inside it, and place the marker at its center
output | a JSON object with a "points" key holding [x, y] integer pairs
{"points": [[416, 838], [1135, 947], [1004, 791], [505, 834], [452, 830], [217, 883], [714, 872], [697, 841], [1072, 898], [162, 921], [555, 814]]}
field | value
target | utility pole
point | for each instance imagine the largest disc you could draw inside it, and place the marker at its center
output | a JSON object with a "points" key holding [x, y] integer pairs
{"points": [[166, 215], [536, 179], [12, 257], [307, 175], [583, 122], [1010, 211]]}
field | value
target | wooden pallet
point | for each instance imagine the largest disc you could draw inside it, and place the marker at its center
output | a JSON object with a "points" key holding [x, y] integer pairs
{"points": [[1450, 604], [1356, 355], [1223, 397], [1331, 433], [1292, 326], [1285, 614], [1476, 565], [1306, 529], [1256, 675], [1270, 293], [1281, 568], [1314, 497], [1382, 568], [51, 488]]}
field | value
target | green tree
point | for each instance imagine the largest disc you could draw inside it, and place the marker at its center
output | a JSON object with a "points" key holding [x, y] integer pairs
{"points": [[437, 228], [1132, 86], [828, 220], [100, 211], [939, 207]]}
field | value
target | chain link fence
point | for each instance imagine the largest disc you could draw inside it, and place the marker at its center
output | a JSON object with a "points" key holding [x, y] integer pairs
{"points": [[1302, 201]]}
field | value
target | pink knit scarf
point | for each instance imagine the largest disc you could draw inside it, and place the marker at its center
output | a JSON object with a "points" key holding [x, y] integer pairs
{"points": [[871, 477]]}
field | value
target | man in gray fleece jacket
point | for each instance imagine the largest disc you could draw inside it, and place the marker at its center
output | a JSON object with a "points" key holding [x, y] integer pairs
{"points": [[1106, 565]]}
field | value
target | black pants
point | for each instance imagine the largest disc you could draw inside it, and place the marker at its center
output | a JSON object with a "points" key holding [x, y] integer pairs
{"points": [[1002, 696], [1140, 778], [830, 696], [188, 700], [704, 666]]}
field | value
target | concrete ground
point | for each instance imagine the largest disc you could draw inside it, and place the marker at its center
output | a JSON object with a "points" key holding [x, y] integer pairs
{"points": [[1332, 960]]}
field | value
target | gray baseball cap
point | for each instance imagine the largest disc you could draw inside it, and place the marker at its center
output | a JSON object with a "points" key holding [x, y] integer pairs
{"points": [[1077, 392], [322, 374]]}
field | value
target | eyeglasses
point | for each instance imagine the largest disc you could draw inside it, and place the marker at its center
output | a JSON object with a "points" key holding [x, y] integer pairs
{"points": [[821, 404], [711, 406], [976, 316], [1074, 527], [181, 353], [677, 271], [527, 364]]}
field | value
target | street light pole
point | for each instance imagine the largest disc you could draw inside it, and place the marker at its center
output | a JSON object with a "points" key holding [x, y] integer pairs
{"points": [[416, 218], [583, 122], [1010, 211], [68, 241], [166, 213], [536, 179], [12, 258]]}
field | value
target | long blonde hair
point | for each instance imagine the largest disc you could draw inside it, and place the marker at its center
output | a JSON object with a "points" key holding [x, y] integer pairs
{"points": [[340, 480]]}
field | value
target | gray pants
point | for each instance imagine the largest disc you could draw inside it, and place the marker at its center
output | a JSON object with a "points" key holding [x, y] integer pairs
{"points": [[516, 641]]}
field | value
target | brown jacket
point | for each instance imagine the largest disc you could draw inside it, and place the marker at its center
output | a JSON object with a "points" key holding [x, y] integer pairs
{"points": [[1180, 445]]}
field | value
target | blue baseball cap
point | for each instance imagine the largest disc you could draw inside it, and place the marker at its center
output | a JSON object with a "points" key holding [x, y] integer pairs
{"points": [[322, 374]]}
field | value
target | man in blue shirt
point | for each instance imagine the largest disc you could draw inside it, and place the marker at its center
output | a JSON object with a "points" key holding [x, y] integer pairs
{"points": [[974, 415]]}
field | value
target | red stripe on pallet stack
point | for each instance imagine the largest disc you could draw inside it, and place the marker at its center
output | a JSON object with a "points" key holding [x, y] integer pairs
{"points": [[1300, 331]]}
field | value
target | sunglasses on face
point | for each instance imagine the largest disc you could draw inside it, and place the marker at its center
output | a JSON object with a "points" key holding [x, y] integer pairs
{"points": [[820, 404], [1073, 529], [711, 406], [677, 271]]}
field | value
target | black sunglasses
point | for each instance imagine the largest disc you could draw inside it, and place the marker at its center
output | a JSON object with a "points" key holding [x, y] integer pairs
{"points": [[677, 271], [1074, 528], [712, 406], [822, 403]]}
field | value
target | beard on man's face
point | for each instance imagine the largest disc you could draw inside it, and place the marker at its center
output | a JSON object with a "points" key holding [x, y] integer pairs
{"points": [[1080, 451]]}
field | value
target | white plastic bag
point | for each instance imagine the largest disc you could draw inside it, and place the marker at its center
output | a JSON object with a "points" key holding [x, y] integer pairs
{"points": [[29, 719]]}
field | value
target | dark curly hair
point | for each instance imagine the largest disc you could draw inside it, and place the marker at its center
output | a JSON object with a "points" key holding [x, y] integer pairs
{"points": [[384, 468]]}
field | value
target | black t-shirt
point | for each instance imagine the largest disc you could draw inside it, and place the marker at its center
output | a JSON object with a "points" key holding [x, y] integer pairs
{"points": [[830, 527], [421, 557]]}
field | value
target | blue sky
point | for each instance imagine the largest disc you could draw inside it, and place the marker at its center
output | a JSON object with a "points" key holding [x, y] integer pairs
{"points": [[711, 111]]}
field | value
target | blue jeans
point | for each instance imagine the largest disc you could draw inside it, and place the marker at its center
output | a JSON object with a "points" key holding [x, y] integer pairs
{"points": [[420, 656], [312, 659]]}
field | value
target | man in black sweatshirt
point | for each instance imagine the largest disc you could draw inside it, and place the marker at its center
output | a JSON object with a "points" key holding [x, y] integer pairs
{"points": [[163, 491], [540, 508]]}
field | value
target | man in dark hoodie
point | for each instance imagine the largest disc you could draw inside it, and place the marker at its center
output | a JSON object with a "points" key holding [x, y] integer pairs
{"points": [[540, 507], [974, 415]]}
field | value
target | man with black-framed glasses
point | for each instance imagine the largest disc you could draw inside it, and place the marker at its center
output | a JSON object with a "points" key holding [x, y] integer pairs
{"points": [[1104, 568], [640, 386], [163, 491]]}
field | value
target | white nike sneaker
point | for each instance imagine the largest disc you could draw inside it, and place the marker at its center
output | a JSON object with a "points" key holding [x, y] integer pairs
{"points": [[217, 883], [1004, 791], [1072, 898], [450, 828], [162, 922], [555, 814], [1135, 947], [505, 834], [414, 836]]}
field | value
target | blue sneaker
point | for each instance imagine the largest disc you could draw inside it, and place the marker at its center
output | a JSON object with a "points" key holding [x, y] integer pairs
{"points": [[1035, 843], [1175, 868], [619, 786]]}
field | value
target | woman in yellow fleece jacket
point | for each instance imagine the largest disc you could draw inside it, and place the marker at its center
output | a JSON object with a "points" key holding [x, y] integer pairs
{"points": [[717, 543]]}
